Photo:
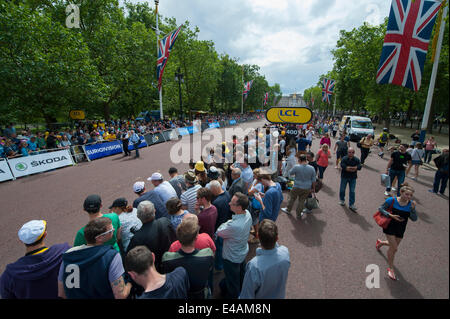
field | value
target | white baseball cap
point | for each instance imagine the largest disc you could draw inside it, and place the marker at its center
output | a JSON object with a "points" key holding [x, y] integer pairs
{"points": [[138, 187], [32, 231], [155, 177]]}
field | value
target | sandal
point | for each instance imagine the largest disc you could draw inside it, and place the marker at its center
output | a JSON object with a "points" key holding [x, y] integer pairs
{"points": [[378, 245], [391, 274]]}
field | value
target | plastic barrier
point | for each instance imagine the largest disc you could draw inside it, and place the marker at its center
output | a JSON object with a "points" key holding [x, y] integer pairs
{"points": [[170, 135], [154, 138], [5, 171], [214, 125], [95, 151], [232, 122], [27, 165]]}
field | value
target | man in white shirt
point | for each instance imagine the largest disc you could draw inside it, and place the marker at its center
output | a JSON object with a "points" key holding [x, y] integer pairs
{"points": [[162, 188]]}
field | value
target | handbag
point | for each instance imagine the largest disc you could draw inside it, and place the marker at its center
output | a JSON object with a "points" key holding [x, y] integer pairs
{"points": [[385, 180], [312, 203], [382, 220], [319, 185]]}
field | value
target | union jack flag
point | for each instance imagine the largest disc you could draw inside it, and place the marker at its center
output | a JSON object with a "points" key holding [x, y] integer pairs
{"points": [[247, 87], [327, 90], [164, 47], [406, 42], [266, 98]]}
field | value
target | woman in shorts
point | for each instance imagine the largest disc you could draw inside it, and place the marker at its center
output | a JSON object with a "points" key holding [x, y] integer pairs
{"points": [[403, 207]]}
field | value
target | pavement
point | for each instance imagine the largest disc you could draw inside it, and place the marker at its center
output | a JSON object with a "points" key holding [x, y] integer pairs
{"points": [[330, 249]]}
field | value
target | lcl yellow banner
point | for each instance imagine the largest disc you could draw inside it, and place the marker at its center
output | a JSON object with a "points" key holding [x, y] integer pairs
{"points": [[77, 115], [294, 115]]}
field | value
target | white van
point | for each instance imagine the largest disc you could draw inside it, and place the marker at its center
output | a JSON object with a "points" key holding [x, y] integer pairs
{"points": [[357, 127]]}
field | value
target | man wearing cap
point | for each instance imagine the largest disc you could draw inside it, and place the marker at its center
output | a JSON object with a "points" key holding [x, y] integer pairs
{"points": [[162, 187], [94, 270], [35, 275], [189, 197], [152, 196], [92, 205]]}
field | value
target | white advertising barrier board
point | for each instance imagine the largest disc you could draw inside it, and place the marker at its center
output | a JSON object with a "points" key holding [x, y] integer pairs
{"points": [[5, 172], [27, 165]]}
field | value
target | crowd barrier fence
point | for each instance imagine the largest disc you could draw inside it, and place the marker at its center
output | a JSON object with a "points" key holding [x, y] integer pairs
{"points": [[46, 160]]}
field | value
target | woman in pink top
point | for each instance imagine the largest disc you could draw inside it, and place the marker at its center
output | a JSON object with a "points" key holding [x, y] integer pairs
{"points": [[322, 159], [326, 140], [430, 145]]}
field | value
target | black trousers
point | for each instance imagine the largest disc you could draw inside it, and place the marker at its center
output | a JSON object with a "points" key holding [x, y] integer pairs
{"points": [[125, 147], [364, 154]]}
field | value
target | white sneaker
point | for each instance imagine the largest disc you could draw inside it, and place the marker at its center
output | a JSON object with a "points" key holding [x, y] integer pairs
{"points": [[284, 210], [306, 211], [342, 203], [386, 193], [353, 208], [393, 189]]}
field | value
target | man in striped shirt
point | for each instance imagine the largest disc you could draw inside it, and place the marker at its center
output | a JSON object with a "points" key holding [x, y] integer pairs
{"points": [[189, 197]]}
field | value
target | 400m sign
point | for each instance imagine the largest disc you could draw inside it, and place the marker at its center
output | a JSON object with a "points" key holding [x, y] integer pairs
{"points": [[291, 115]]}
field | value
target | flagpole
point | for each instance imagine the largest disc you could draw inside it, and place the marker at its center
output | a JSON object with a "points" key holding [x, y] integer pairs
{"points": [[426, 114], [242, 94], [157, 49]]}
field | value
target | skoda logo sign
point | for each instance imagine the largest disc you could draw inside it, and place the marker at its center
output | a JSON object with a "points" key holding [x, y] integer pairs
{"points": [[21, 166]]}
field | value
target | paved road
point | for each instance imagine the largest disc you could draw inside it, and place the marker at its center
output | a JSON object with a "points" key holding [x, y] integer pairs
{"points": [[329, 249]]}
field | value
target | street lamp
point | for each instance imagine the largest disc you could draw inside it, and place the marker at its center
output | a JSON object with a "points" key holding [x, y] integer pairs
{"points": [[179, 78]]}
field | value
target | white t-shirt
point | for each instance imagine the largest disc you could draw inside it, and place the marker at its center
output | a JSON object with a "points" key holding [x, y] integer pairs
{"points": [[166, 191]]}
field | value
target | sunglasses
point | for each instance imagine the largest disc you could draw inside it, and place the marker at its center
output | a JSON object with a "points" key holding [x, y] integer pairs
{"points": [[105, 233]]}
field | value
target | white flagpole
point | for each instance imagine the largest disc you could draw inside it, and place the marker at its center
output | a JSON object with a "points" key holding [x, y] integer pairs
{"points": [[157, 49], [242, 93], [426, 114]]}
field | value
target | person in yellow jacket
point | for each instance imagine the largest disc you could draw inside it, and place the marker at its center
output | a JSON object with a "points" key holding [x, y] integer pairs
{"points": [[382, 141]]}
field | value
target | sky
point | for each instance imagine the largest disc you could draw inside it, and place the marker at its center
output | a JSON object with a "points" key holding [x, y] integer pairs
{"points": [[291, 40]]}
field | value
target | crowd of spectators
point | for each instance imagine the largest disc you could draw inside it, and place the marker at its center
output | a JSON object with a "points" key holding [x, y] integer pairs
{"points": [[25, 143]]}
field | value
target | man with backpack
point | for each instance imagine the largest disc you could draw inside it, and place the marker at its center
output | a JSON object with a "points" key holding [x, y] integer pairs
{"points": [[382, 141]]}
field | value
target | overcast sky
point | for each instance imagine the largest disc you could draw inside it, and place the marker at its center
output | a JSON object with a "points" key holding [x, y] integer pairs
{"points": [[289, 39]]}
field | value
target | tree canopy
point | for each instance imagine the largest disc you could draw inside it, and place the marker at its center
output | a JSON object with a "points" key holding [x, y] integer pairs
{"points": [[107, 67]]}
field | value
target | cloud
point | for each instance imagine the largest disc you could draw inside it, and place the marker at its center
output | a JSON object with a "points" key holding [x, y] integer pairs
{"points": [[289, 39]]}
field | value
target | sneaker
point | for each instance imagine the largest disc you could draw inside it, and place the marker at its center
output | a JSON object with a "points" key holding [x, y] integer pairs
{"points": [[378, 244], [393, 189], [386, 193], [353, 208], [300, 216], [306, 211], [432, 191], [342, 203], [285, 210], [414, 178], [391, 274]]}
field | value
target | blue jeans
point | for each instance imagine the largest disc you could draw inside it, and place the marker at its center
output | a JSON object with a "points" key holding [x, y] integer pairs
{"points": [[231, 285], [400, 179], [352, 185], [218, 260], [321, 171], [440, 179]]}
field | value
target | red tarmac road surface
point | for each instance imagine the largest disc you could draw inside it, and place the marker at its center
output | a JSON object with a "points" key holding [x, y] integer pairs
{"points": [[330, 248]]}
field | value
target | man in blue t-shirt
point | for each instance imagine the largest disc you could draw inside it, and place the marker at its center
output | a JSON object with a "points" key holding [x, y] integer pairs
{"points": [[139, 263], [302, 143]]}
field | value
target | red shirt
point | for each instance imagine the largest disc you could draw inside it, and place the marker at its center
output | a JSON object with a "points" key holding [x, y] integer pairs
{"points": [[207, 220], [203, 241]]}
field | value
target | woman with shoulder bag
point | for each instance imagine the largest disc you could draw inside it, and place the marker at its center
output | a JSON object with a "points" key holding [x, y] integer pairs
{"points": [[402, 207], [366, 144]]}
